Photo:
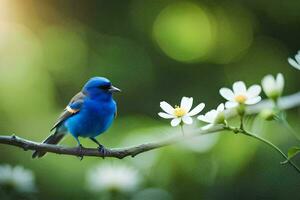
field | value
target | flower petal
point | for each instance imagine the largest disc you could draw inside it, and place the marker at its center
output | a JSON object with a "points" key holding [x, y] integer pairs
{"points": [[220, 108], [294, 63], [231, 104], [196, 110], [207, 127], [279, 82], [239, 87], [253, 100], [165, 115], [268, 84], [187, 120], [297, 58], [211, 115], [167, 107], [204, 119], [186, 103], [227, 94], [175, 121], [253, 91]]}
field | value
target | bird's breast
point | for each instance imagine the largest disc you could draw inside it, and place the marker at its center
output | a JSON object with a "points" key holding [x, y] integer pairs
{"points": [[93, 118]]}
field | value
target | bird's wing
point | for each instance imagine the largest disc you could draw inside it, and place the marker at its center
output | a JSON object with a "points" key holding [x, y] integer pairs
{"points": [[72, 108]]}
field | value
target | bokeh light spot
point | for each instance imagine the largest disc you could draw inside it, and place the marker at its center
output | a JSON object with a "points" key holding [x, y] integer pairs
{"points": [[234, 33], [184, 32]]}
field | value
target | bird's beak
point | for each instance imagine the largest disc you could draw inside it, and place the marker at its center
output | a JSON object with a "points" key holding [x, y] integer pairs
{"points": [[114, 89]]}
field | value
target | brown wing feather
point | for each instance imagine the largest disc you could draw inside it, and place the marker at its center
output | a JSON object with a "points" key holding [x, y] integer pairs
{"points": [[67, 113], [54, 138]]}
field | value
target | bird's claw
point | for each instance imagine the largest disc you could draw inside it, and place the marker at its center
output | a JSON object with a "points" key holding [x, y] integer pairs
{"points": [[80, 151], [102, 150]]}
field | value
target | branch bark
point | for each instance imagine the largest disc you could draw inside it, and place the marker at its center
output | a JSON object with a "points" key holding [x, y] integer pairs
{"points": [[286, 102]]}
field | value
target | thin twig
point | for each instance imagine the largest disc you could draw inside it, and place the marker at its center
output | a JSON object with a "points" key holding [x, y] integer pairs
{"points": [[274, 147], [270, 144]]}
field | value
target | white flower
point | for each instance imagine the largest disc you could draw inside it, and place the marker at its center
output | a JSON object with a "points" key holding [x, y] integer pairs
{"points": [[240, 95], [273, 87], [295, 62], [182, 112], [112, 177], [213, 117], [17, 177]]}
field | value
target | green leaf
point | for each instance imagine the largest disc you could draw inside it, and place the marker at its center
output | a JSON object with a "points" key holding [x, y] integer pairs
{"points": [[293, 151]]}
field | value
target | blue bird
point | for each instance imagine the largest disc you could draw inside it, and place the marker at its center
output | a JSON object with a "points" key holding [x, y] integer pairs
{"points": [[88, 114]]}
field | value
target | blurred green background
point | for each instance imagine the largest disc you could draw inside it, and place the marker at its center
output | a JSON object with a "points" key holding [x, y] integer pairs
{"points": [[153, 50]]}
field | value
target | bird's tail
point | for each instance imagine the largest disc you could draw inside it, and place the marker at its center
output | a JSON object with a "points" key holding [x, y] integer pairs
{"points": [[54, 138]]}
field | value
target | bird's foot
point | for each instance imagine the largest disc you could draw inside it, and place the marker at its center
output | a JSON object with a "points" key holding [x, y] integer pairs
{"points": [[80, 151], [103, 151]]}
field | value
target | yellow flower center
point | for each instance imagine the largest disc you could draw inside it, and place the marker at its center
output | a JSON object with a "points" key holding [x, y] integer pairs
{"points": [[240, 98], [179, 112]]}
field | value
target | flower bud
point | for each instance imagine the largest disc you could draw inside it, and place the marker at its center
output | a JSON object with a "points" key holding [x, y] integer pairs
{"points": [[273, 87], [267, 114]]}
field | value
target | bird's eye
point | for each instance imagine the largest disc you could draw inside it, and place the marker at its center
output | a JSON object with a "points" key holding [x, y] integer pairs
{"points": [[104, 87]]}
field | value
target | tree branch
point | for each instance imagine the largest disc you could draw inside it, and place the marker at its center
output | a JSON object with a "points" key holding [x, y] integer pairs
{"points": [[116, 152], [284, 103]]}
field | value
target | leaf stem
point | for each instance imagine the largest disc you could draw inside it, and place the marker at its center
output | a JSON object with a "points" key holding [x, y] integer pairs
{"points": [[181, 128], [242, 122]]}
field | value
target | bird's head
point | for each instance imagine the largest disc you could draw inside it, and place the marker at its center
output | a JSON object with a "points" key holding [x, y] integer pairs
{"points": [[99, 87]]}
